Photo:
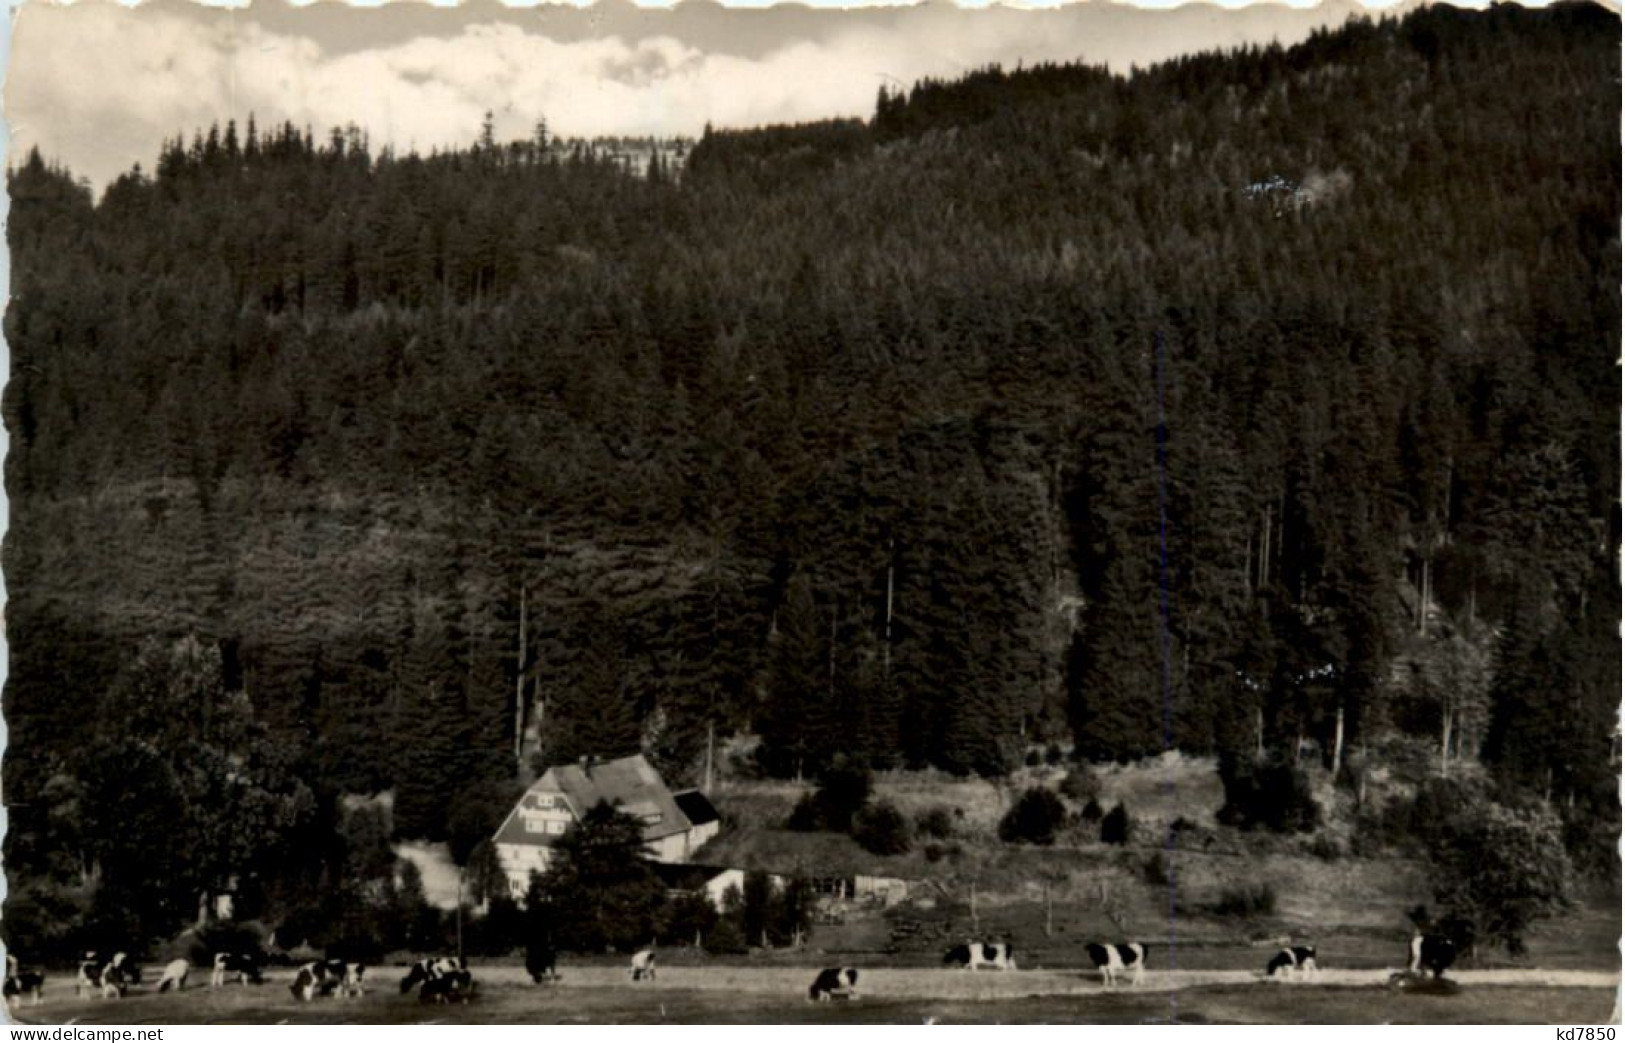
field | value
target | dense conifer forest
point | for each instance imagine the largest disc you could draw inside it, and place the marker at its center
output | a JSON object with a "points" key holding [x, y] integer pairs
{"points": [[1257, 401]]}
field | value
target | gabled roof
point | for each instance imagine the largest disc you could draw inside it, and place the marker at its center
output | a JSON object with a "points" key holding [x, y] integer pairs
{"points": [[696, 806], [630, 784]]}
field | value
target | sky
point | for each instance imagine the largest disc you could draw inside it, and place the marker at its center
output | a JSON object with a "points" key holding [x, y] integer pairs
{"points": [[99, 86]]}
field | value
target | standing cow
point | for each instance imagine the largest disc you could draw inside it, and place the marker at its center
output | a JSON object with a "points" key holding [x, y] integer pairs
{"points": [[834, 981], [643, 965], [971, 955], [541, 962], [1111, 960], [112, 978], [246, 966], [1296, 960], [1431, 952], [20, 983]]}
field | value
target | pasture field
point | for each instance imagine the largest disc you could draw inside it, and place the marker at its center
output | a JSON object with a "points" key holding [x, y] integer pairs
{"points": [[600, 994]]}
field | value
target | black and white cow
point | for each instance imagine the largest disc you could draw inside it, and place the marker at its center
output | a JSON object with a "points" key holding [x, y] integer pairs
{"points": [[643, 965], [174, 976], [1296, 960], [1431, 952], [433, 968], [246, 966], [309, 981], [345, 979], [23, 983], [1112, 960], [834, 981], [90, 975], [971, 955], [111, 978], [457, 987], [541, 962]]}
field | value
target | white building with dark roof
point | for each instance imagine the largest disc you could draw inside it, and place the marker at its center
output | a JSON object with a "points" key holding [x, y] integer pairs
{"points": [[674, 825]]}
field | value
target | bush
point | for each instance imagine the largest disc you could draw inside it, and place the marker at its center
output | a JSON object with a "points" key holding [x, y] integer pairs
{"points": [[1244, 901], [1325, 848], [1034, 818], [881, 829], [1273, 794], [1498, 870], [1156, 870], [1091, 812], [1053, 754], [936, 822], [726, 938], [1033, 759], [841, 793], [1081, 784], [807, 815], [1116, 827], [689, 919]]}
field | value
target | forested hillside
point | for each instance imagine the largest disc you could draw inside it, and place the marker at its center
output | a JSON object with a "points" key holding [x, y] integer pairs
{"points": [[1253, 399]]}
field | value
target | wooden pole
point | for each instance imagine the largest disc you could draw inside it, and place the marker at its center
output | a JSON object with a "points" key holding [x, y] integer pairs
{"points": [[710, 740], [886, 647], [519, 683], [1337, 745]]}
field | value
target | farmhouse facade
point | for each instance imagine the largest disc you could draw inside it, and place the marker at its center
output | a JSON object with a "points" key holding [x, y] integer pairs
{"points": [[675, 826]]}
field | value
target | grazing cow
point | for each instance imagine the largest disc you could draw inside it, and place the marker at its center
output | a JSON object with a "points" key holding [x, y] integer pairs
{"points": [[111, 979], [541, 962], [834, 981], [346, 978], [1111, 960], [1299, 959], [643, 965], [318, 978], [246, 966], [430, 969], [1432, 952], [971, 955], [456, 987], [175, 974], [23, 983], [90, 975]]}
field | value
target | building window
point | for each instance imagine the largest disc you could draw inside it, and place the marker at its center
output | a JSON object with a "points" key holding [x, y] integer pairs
{"points": [[555, 828]]}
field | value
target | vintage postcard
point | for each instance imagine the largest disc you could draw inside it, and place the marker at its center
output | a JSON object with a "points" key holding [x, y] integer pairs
{"points": [[890, 515]]}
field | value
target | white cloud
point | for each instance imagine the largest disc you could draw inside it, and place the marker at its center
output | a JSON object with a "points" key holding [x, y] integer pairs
{"points": [[99, 86]]}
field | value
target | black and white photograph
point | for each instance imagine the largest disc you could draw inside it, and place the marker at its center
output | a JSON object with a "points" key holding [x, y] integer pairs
{"points": [[888, 515]]}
